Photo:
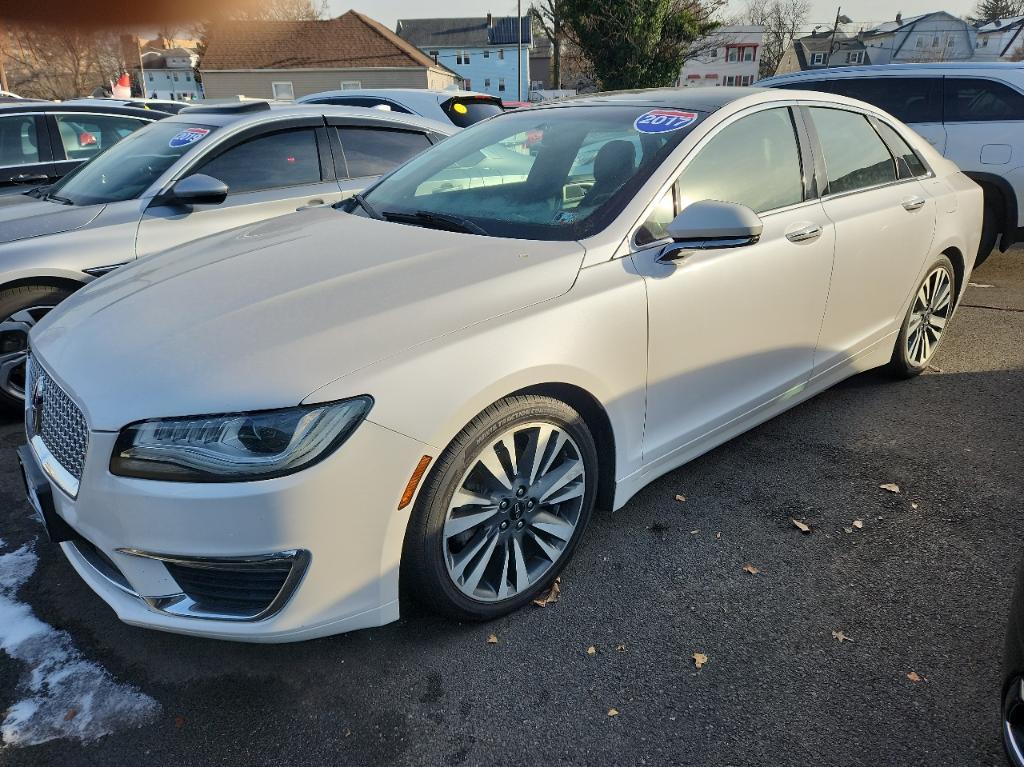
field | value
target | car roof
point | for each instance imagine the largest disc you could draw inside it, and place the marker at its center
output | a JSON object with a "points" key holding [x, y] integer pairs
{"points": [[700, 99], [285, 111], [896, 70], [398, 94], [84, 105]]}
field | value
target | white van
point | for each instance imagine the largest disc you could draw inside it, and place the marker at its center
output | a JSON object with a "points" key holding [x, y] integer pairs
{"points": [[972, 113]]}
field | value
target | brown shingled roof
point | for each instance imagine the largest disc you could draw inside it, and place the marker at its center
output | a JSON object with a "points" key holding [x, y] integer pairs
{"points": [[349, 41]]}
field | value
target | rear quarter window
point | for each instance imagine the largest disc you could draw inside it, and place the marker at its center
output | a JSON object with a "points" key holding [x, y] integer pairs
{"points": [[970, 99]]}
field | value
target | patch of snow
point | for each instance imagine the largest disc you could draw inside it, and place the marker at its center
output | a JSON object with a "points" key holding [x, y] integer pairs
{"points": [[68, 696]]}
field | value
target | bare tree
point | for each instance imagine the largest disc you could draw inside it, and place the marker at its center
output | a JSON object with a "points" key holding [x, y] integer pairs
{"points": [[548, 15], [990, 10], [282, 10], [61, 63], [781, 20]]}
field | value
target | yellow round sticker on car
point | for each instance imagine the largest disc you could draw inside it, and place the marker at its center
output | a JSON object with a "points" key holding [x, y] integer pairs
{"points": [[460, 108]]}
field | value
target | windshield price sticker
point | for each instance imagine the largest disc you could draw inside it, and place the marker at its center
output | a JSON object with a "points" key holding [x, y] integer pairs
{"points": [[187, 136], [664, 120]]}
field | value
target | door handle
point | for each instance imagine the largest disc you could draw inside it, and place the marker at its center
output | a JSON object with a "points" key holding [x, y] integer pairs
{"points": [[913, 203], [804, 233], [317, 203]]}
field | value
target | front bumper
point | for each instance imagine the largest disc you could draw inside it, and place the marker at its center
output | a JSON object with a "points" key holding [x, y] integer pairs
{"points": [[332, 531]]}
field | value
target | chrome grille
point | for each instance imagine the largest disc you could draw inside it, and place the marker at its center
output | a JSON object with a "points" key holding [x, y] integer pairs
{"points": [[51, 415]]}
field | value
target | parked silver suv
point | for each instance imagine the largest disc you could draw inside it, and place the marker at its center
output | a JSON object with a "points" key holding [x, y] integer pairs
{"points": [[207, 169]]}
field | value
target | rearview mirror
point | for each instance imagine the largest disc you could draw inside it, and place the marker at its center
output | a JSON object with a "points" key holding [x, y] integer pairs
{"points": [[711, 224], [197, 189]]}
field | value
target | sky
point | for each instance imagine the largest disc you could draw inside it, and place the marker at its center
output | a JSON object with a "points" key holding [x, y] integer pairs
{"points": [[822, 11]]}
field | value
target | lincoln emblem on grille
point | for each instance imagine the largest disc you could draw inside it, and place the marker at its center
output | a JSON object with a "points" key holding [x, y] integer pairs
{"points": [[35, 408]]}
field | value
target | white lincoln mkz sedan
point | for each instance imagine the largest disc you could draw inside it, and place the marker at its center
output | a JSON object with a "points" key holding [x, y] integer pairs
{"points": [[261, 435]]}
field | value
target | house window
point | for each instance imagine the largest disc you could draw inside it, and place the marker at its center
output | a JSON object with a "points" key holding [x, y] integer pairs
{"points": [[283, 91], [188, 78], [467, 84], [501, 85], [920, 42], [817, 59], [351, 85], [462, 58], [935, 41], [175, 77], [501, 54], [748, 54], [487, 82], [714, 53], [730, 79], [949, 42], [733, 55], [487, 54], [151, 78], [854, 57]]}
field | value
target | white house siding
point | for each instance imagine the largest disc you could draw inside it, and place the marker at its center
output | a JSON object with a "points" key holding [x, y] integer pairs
{"points": [[715, 67], [172, 84], [940, 38], [259, 83], [1002, 42]]}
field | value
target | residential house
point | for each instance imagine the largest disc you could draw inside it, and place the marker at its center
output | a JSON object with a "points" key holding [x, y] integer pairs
{"points": [[1000, 40], [288, 59], [821, 49], [937, 36], [482, 50], [731, 55], [169, 74]]}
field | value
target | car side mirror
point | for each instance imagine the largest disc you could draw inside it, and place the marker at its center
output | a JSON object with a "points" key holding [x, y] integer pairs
{"points": [[711, 224], [197, 189]]}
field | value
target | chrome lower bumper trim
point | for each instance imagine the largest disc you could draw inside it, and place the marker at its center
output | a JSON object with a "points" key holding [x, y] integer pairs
{"points": [[60, 476]]}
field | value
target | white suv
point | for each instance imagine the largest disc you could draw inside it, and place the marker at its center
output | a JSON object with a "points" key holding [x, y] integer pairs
{"points": [[972, 113]]}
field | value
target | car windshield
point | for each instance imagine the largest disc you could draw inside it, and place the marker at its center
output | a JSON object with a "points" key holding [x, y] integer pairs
{"points": [[127, 169], [558, 173]]}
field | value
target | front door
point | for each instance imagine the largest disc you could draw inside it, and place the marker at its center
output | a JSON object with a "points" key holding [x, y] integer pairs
{"points": [[733, 329], [267, 176]]}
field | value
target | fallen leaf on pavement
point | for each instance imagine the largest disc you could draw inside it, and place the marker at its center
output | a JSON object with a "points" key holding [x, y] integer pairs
{"points": [[591, 650], [699, 659], [553, 594], [913, 676], [980, 285], [71, 714], [803, 528], [681, 498], [613, 712], [839, 636], [913, 505], [492, 639], [749, 568], [694, 532], [847, 530], [892, 487], [179, 722], [718, 536], [620, 648], [858, 523]]}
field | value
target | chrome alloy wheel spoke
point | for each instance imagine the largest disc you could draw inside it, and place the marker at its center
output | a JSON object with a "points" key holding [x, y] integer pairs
{"points": [[929, 315], [514, 512], [14, 348]]}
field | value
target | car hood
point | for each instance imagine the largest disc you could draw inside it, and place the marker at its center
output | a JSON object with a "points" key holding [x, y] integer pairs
{"points": [[262, 316], [22, 216]]}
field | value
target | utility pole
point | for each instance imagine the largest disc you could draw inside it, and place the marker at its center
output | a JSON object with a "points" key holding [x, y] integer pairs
{"points": [[519, 50], [832, 42], [3, 69]]}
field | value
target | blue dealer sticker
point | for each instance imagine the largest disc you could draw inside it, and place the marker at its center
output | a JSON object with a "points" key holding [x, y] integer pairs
{"points": [[187, 136], [664, 120]]}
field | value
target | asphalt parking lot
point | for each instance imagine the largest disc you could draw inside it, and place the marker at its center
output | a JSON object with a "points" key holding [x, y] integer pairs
{"points": [[920, 590]]}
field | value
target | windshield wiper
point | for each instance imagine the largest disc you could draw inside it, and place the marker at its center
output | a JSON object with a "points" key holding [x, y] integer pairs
{"points": [[58, 198], [362, 203], [433, 220]]}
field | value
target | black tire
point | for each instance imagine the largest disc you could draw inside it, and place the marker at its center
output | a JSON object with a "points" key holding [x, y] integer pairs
{"points": [[900, 365], [989, 235], [424, 574], [12, 301]]}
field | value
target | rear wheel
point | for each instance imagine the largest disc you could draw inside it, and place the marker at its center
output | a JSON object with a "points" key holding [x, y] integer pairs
{"points": [[503, 510], [926, 320], [20, 309]]}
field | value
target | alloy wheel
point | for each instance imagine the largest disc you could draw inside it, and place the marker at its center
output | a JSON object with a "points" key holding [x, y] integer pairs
{"points": [[514, 512], [928, 317], [14, 348]]}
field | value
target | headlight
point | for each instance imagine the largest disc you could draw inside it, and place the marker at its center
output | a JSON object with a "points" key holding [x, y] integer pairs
{"points": [[236, 447]]}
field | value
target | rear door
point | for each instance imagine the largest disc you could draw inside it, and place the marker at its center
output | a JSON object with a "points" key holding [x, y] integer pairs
{"points": [[25, 159], [269, 171], [884, 221], [77, 137], [916, 101], [363, 152]]}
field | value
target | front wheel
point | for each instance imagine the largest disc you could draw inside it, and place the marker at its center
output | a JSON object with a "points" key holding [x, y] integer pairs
{"points": [[20, 309], [503, 510], [926, 321]]}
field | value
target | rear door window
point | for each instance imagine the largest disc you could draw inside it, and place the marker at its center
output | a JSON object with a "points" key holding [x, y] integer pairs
{"points": [[18, 141], [271, 161], [374, 151], [909, 99], [855, 156], [971, 99]]}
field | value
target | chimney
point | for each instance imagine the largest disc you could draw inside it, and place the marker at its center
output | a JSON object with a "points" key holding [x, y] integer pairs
{"points": [[490, 20], [899, 18]]}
